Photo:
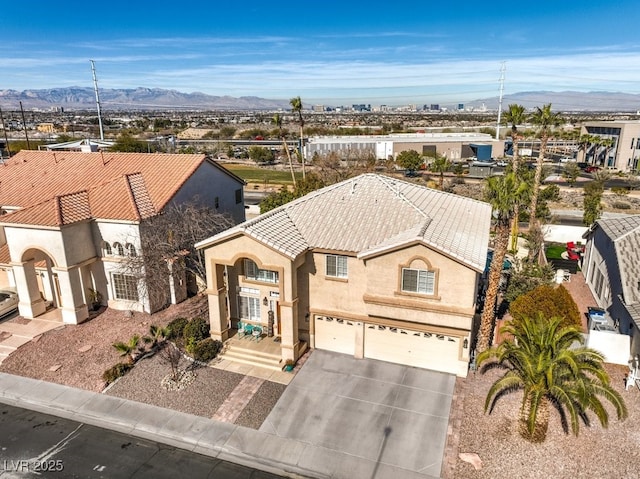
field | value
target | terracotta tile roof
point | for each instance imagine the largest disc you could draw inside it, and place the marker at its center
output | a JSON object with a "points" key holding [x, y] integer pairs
{"points": [[56, 188], [370, 214]]}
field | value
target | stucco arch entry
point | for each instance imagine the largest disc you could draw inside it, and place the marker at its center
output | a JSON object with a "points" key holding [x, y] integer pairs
{"points": [[42, 282]]}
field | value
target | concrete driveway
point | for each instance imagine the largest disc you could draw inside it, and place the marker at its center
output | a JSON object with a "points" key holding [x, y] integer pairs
{"points": [[390, 418]]}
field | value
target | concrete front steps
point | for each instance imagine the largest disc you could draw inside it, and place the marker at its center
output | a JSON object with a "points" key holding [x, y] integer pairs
{"points": [[239, 354]]}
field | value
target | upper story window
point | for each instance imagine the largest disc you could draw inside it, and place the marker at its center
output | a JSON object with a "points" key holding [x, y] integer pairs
{"points": [[418, 281], [336, 266], [119, 249], [251, 271], [106, 248], [131, 250]]}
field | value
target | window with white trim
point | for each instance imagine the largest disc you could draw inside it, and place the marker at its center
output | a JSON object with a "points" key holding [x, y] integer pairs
{"points": [[336, 266], [106, 247], [249, 308], [131, 250], [251, 271], [118, 248], [418, 281], [125, 287]]}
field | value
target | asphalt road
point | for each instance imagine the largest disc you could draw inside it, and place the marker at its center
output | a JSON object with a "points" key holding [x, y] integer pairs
{"points": [[39, 445]]}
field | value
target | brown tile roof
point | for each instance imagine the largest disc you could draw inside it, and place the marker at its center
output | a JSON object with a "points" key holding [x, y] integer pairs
{"points": [[57, 188]]}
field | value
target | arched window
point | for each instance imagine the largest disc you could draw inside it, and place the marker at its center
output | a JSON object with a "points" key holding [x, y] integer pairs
{"points": [[106, 249], [119, 249], [131, 250]]}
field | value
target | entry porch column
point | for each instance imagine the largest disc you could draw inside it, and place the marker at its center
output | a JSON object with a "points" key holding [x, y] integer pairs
{"points": [[31, 302]]}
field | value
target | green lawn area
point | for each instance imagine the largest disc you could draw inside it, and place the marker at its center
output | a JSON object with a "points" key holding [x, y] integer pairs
{"points": [[256, 174], [555, 250]]}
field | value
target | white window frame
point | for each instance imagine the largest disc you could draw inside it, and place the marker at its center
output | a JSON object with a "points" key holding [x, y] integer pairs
{"points": [[249, 308], [252, 272], [425, 281], [125, 287], [336, 266]]}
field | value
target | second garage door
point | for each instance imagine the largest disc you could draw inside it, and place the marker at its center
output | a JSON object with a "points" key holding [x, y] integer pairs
{"points": [[335, 334], [413, 348]]}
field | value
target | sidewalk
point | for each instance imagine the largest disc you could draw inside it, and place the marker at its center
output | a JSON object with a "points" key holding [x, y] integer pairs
{"points": [[221, 440]]}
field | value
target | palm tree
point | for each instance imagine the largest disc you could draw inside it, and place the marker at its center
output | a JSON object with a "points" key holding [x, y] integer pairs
{"points": [[130, 349], [541, 359], [544, 118], [440, 165], [296, 107], [607, 144], [515, 116], [277, 120], [505, 194]]}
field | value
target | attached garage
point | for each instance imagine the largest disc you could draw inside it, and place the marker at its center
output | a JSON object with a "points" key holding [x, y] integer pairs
{"points": [[335, 334], [414, 348]]}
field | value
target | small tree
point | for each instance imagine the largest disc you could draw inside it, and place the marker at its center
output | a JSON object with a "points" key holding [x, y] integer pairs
{"points": [[592, 202], [260, 154], [171, 355], [128, 144], [410, 160], [526, 278], [548, 301], [570, 172]]}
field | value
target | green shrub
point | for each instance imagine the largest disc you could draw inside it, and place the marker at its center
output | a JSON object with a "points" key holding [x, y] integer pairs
{"points": [[619, 205], [619, 190], [116, 371], [197, 328], [550, 302], [207, 349], [176, 327]]}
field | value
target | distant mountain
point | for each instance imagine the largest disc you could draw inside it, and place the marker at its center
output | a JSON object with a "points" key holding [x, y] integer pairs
{"points": [[565, 101], [79, 98]]}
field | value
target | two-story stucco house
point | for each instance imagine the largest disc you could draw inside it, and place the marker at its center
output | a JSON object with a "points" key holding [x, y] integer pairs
{"points": [[70, 219], [372, 267], [611, 268]]}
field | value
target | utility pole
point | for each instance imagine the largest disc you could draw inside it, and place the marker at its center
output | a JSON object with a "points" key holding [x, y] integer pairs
{"points": [[95, 87], [502, 70], [24, 126], [6, 139]]}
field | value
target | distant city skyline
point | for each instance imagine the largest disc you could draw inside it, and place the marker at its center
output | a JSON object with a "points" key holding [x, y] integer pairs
{"points": [[334, 53]]}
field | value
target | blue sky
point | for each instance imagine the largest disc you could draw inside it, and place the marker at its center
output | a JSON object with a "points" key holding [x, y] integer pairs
{"points": [[331, 52]]}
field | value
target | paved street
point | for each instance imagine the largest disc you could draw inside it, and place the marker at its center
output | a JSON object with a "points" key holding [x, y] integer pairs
{"points": [[33, 443]]}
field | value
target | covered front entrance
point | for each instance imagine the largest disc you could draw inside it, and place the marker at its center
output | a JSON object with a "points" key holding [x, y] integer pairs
{"points": [[413, 348]]}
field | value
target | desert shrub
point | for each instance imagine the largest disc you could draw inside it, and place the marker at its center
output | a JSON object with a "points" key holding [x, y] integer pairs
{"points": [[116, 371], [548, 301], [176, 327], [207, 349], [196, 330], [620, 205], [619, 190]]}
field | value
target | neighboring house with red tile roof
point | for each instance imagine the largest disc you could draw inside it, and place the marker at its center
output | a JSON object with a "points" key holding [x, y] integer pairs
{"points": [[70, 217], [372, 267]]}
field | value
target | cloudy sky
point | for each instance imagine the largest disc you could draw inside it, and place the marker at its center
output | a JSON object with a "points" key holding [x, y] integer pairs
{"points": [[331, 52]]}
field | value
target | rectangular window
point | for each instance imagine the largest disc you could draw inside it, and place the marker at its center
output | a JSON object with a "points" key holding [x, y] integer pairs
{"points": [[249, 308], [216, 202], [336, 266], [418, 281], [251, 271], [238, 196], [125, 287]]}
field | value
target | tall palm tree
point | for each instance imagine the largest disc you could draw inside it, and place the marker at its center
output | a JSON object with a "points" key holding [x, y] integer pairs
{"points": [[607, 144], [277, 120], [515, 116], [545, 119], [505, 194], [541, 359], [296, 107]]}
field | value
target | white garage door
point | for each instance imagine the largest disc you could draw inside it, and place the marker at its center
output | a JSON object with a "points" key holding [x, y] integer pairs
{"points": [[424, 350], [335, 334]]}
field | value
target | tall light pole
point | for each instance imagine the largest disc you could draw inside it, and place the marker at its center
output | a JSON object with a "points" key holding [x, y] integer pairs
{"points": [[502, 70], [95, 87]]}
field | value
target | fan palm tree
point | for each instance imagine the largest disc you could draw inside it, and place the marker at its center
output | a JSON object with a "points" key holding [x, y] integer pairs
{"points": [[440, 165], [515, 116], [129, 349], [541, 359], [505, 194], [545, 119], [296, 107], [277, 120]]}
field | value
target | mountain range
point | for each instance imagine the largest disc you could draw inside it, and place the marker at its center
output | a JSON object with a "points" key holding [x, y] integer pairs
{"points": [[83, 98]]}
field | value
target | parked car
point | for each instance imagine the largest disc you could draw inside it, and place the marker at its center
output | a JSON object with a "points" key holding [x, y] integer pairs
{"points": [[8, 302], [592, 169]]}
